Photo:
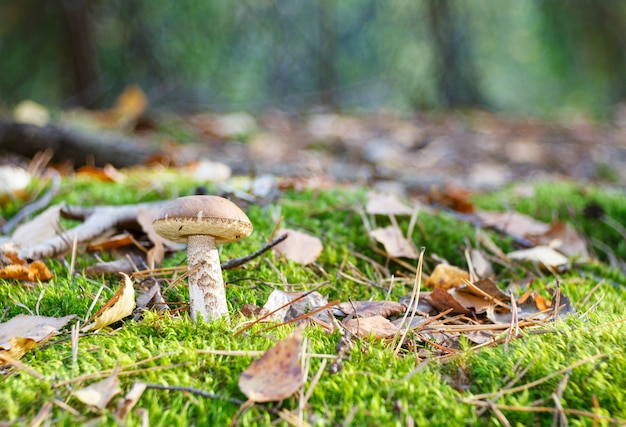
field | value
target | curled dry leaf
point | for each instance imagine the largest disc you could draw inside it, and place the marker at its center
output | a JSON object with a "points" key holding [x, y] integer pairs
{"points": [[33, 272], [125, 405], [22, 333], [482, 267], [145, 218], [299, 247], [563, 237], [372, 308], [396, 245], [277, 374], [279, 298], [442, 300], [385, 204], [513, 223], [119, 306], [99, 394], [377, 326], [447, 276], [541, 254]]}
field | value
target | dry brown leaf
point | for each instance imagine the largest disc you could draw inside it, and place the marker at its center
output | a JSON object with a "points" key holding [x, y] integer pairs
{"points": [[33, 272], [540, 254], [470, 301], [487, 286], [442, 300], [277, 374], [129, 106], [99, 394], [396, 245], [299, 247], [125, 405], [22, 333], [119, 306], [156, 254], [455, 198], [447, 276], [385, 204], [372, 308], [112, 242], [106, 174], [513, 223], [482, 267], [378, 326], [563, 237]]}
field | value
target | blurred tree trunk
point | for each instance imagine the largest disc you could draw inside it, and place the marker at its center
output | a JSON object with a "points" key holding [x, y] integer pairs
{"points": [[80, 52], [454, 68], [587, 39], [327, 74]]}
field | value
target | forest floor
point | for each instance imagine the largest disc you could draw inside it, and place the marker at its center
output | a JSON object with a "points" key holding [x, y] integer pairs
{"points": [[556, 359], [473, 150]]}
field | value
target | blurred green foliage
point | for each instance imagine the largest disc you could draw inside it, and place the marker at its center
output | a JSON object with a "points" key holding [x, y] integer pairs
{"points": [[533, 57]]}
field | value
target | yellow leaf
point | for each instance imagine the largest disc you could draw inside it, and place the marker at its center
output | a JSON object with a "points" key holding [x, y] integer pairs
{"points": [[119, 306]]}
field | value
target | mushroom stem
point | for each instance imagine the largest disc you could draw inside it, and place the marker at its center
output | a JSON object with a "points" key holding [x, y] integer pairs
{"points": [[207, 293]]}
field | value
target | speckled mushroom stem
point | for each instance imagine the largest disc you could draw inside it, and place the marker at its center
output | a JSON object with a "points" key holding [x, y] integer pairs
{"points": [[207, 293]]}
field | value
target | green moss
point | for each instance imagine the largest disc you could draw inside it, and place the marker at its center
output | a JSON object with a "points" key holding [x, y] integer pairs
{"points": [[375, 387]]}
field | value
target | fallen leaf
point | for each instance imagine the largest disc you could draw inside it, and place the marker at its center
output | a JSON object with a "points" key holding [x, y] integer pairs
{"points": [[125, 405], [207, 170], [446, 276], [156, 254], [299, 247], [112, 242], [482, 267], [106, 174], [455, 198], [488, 287], [279, 298], [13, 180], [129, 106], [22, 333], [33, 272], [378, 326], [99, 394], [478, 304], [119, 306], [540, 254], [277, 374], [442, 300], [385, 204], [513, 223], [31, 113], [564, 238], [371, 308], [396, 245]]}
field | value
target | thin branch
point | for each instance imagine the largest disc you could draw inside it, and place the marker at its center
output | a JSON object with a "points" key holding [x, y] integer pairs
{"points": [[236, 262]]}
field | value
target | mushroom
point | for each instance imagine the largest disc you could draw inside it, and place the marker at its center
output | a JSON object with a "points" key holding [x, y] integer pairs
{"points": [[202, 222]]}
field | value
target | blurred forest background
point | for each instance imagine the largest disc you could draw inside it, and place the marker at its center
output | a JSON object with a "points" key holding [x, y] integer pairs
{"points": [[556, 59]]}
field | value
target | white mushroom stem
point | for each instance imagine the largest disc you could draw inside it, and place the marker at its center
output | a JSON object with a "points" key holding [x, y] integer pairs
{"points": [[207, 293]]}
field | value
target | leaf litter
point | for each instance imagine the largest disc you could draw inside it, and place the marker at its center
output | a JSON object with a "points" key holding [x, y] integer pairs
{"points": [[456, 306]]}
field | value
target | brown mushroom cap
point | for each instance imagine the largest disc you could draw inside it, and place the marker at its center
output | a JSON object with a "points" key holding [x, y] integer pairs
{"points": [[202, 215]]}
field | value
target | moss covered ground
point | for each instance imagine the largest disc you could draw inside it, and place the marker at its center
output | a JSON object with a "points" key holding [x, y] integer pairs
{"points": [[375, 386]]}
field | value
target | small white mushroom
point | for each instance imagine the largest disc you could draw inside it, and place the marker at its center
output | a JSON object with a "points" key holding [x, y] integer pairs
{"points": [[202, 222]]}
